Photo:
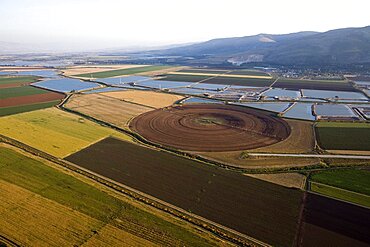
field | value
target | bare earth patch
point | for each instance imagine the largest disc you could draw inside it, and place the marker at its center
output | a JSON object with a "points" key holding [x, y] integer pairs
{"points": [[148, 98], [294, 180]]}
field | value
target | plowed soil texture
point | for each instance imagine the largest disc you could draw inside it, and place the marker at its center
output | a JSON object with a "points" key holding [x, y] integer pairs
{"points": [[31, 99], [262, 210], [210, 127], [329, 222]]}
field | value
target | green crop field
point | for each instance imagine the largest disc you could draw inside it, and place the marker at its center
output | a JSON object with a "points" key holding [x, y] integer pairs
{"points": [[208, 71], [341, 194], [20, 91], [4, 111], [57, 207], [17, 79], [353, 180], [119, 72], [54, 131], [343, 136]]}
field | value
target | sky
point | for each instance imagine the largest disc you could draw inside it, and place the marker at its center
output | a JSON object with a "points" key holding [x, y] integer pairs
{"points": [[96, 24]]}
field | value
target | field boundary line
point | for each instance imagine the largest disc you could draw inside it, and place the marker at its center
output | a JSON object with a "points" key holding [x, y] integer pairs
{"points": [[8, 241]]}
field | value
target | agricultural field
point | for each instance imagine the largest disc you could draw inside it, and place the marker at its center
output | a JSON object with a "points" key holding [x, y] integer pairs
{"points": [[290, 180], [198, 127], [341, 85], [343, 136], [41, 206], [184, 78], [250, 82], [126, 71], [14, 81], [53, 131], [147, 98], [341, 194], [350, 185], [328, 222], [241, 159], [17, 96], [239, 80], [209, 194], [77, 70], [106, 108], [300, 140]]}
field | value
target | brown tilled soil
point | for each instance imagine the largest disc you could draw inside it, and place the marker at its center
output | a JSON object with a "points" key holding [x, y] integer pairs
{"points": [[257, 208], [210, 127], [329, 222], [30, 99], [10, 85]]}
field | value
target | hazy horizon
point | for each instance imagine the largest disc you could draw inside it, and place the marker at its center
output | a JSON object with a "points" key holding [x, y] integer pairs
{"points": [[90, 25]]}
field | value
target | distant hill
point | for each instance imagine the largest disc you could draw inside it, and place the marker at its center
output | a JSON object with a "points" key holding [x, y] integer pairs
{"points": [[340, 46]]}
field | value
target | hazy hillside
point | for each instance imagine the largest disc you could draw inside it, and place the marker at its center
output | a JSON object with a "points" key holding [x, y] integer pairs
{"points": [[341, 46]]}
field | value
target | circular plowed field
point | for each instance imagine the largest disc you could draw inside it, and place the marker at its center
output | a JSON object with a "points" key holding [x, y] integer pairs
{"points": [[210, 127]]}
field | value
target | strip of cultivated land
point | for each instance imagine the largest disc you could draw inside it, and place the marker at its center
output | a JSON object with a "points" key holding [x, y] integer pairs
{"points": [[16, 81], [106, 108], [343, 136], [220, 79], [221, 196], [53, 131], [43, 205], [77, 70], [4, 111], [127, 71], [147, 98], [314, 84], [210, 74]]}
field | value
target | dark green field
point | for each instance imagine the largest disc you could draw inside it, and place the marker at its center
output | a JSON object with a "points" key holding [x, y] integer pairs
{"points": [[314, 84], [343, 136], [259, 209], [248, 72], [64, 189], [20, 91], [119, 72], [354, 180], [17, 79], [4, 111]]}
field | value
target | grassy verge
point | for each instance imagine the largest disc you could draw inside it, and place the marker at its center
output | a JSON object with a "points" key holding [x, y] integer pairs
{"points": [[341, 194]]}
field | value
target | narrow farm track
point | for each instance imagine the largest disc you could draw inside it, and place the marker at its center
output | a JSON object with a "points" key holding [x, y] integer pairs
{"points": [[330, 156]]}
